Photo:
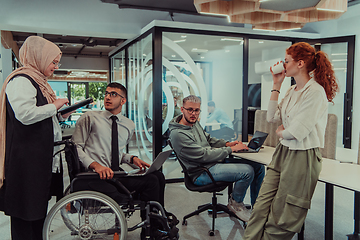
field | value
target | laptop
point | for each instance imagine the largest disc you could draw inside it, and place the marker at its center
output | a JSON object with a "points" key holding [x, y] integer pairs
{"points": [[156, 165], [255, 143]]}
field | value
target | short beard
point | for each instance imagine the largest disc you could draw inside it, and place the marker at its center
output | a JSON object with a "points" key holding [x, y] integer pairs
{"points": [[189, 120]]}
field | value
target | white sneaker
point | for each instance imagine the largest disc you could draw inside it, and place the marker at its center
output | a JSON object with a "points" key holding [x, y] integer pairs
{"points": [[239, 209]]}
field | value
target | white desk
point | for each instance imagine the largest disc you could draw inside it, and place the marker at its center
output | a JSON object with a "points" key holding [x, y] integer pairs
{"points": [[212, 126], [333, 173]]}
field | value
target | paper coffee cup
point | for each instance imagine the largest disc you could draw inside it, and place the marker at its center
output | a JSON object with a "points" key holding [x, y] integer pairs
{"points": [[278, 68]]}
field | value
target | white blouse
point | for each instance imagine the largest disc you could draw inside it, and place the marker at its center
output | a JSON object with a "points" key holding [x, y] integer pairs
{"points": [[304, 116]]}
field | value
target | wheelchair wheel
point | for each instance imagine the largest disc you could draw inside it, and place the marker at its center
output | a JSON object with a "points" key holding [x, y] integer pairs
{"points": [[85, 215]]}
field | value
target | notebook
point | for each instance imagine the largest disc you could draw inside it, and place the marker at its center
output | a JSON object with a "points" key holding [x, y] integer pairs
{"points": [[156, 165], [255, 143]]}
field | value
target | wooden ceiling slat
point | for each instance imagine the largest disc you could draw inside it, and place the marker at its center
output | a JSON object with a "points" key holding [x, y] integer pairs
{"points": [[249, 12]]}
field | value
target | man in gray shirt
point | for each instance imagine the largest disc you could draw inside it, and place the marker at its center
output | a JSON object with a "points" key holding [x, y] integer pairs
{"points": [[93, 134]]}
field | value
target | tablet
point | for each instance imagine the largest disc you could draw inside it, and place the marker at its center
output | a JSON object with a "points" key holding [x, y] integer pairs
{"points": [[75, 106]]}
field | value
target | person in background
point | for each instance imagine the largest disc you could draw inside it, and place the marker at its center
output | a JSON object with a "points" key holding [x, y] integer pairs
{"points": [[194, 147], [226, 130], [29, 126], [289, 184], [177, 110]]}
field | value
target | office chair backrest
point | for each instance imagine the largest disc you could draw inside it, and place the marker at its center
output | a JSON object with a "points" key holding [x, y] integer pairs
{"points": [[262, 125], [329, 150]]}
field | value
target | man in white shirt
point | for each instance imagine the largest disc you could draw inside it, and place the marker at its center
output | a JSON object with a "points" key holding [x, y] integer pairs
{"points": [[93, 134]]}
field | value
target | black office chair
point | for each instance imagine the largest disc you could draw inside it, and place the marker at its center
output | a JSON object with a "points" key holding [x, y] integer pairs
{"points": [[214, 188]]}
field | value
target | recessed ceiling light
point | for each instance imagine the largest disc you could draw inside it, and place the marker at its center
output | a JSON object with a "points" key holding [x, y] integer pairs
{"points": [[330, 10], [173, 55], [288, 29], [218, 14], [199, 50], [202, 57], [232, 39], [338, 54], [261, 41], [261, 29], [179, 41], [339, 60], [227, 50], [183, 36]]}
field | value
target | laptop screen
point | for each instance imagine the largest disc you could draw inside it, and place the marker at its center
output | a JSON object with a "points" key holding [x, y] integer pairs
{"points": [[257, 141]]}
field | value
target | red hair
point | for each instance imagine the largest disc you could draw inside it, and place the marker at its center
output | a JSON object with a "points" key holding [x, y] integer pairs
{"points": [[317, 62]]}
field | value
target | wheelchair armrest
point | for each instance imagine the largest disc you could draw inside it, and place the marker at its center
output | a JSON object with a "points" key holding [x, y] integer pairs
{"points": [[120, 173], [94, 175]]}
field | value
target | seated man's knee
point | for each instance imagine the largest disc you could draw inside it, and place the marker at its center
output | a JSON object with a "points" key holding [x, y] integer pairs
{"points": [[160, 177]]}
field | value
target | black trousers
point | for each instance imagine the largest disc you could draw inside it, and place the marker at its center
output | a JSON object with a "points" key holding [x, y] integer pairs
{"points": [[147, 188], [29, 230], [150, 187]]}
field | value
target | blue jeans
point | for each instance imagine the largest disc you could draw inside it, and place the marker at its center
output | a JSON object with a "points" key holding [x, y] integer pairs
{"points": [[243, 173]]}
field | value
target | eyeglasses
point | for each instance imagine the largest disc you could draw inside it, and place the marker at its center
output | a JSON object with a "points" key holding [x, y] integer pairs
{"points": [[56, 64], [112, 94], [190, 110]]}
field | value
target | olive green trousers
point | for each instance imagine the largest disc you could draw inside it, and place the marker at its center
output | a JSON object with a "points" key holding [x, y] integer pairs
{"points": [[285, 195]]}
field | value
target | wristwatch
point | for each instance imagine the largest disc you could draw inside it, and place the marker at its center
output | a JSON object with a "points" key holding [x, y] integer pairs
{"points": [[132, 159]]}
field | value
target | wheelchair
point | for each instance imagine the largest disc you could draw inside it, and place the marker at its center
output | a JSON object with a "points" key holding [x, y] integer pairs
{"points": [[85, 214]]}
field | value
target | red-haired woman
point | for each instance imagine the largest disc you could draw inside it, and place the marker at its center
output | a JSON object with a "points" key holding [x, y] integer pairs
{"points": [[289, 184]]}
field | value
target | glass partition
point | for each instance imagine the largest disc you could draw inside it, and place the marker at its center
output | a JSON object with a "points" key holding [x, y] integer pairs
{"points": [[337, 52], [262, 55], [139, 87], [118, 68], [209, 67]]}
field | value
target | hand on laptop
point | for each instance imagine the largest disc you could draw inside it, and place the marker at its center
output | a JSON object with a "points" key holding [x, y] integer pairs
{"points": [[239, 146], [230, 144], [140, 163]]}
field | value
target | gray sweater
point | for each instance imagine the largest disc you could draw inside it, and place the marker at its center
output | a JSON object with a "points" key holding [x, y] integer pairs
{"points": [[195, 147]]}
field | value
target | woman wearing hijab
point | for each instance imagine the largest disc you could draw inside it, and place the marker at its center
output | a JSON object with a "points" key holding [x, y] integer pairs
{"points": [[285, 195], [28, 128]]}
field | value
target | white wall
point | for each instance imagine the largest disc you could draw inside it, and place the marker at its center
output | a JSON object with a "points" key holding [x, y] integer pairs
{"points": [[227, 79], [85, 63], [5, 63]]}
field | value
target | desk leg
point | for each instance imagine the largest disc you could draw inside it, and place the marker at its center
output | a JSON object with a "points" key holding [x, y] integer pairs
{"points": [[301, 233], [329, 211], [355, 235]]}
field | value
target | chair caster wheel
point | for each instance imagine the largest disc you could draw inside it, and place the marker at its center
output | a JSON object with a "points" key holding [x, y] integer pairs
{"points": [[184, 223], [211, 233]]}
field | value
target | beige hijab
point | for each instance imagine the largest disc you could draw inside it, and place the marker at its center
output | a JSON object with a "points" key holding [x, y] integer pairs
{"points": [[36, 54]]}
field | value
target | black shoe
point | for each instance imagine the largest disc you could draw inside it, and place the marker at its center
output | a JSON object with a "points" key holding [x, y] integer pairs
{"points": [[172, 219]]}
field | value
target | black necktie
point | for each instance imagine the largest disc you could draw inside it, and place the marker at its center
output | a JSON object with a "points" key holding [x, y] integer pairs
{"points": [[114, 145]]}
